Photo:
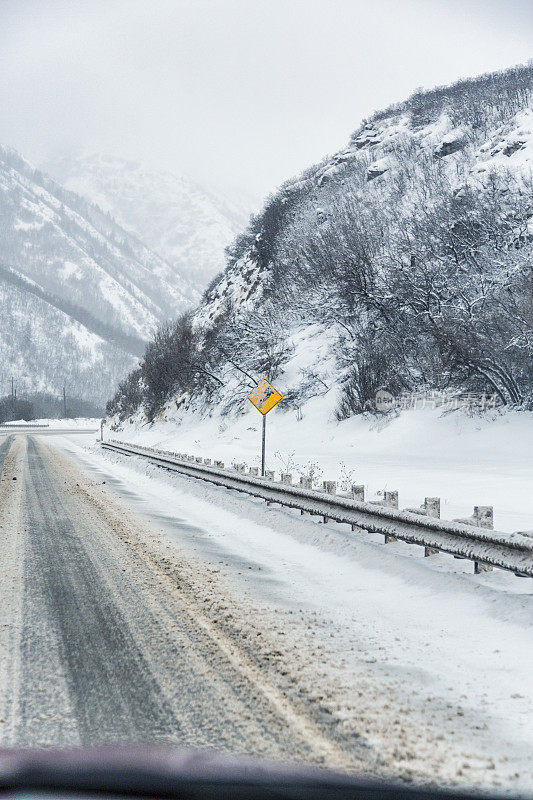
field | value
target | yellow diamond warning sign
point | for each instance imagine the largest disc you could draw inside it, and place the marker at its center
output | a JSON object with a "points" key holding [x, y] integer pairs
{"points": [[264, 397]]}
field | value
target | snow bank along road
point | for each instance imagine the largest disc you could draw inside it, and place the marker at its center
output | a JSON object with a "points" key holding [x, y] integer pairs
{"points": [[211, 620]]}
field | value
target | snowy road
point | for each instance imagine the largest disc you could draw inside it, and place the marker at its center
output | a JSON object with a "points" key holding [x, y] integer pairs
{"points": [[153, 607], [105, 642]]}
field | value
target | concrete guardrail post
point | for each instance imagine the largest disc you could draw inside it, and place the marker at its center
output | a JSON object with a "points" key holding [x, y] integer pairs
{"points": [[358, 494], [286, 478], [270, 476], [253, 471], [207, 462], [484, 518], [432, 509], [329, 487], [390, 500], [306, 483]]}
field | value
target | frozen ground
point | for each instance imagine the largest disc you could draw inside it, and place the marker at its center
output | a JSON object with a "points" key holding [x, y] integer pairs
{"points": [[428, 664], [465, 460]]}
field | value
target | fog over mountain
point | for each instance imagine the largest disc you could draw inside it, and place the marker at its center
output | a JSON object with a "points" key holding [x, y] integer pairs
{"points": [[186, 224]]}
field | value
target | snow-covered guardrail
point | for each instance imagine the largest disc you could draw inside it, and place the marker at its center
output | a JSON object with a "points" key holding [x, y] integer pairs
{"points": [[13, 426], [485, 547]]}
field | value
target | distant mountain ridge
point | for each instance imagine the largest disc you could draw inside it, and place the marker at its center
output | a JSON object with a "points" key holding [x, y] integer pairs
{"points": [[114, 335], [188, 225], [79, 293]]}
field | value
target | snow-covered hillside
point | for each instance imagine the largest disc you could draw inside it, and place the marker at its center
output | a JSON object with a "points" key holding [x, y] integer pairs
{"points": [[401, 263], [398, 153], [185, 223], [80, 295]]}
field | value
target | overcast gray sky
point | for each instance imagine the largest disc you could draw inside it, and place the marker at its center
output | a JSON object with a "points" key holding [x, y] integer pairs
{"points": [[243, 93]]}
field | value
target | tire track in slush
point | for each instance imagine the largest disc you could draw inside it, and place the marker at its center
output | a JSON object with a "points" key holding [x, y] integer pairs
{"points": [[5, 446], [12, 549], [111, 691]]}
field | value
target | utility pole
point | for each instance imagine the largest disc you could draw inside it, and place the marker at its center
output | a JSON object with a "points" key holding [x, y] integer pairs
{"points": [[64, 403], [12, 397]]}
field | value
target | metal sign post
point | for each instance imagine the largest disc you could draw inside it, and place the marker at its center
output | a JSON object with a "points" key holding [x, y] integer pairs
{"points": [[263, 441], [264, 397]]}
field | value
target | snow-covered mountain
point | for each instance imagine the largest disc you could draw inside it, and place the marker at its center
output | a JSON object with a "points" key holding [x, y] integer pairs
{"points": [[401, 263], [186, 224], [80, 295]]}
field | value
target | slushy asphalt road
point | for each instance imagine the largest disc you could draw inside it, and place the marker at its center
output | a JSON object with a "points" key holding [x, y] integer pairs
{"points": [[102, 640]]}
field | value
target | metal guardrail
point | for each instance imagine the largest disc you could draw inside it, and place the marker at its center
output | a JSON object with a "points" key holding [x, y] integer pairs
{"points": [[16, 425], [483, 546], [41, 430]]}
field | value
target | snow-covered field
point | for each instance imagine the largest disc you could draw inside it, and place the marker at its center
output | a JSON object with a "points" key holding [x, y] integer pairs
{"points": [[428, 663], [465, 460]]}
